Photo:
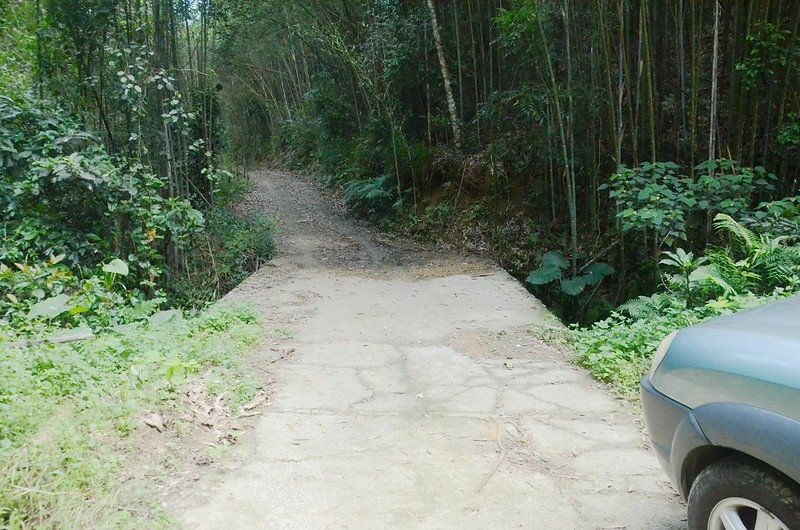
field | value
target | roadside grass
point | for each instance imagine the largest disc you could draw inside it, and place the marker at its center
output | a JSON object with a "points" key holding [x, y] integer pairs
{"points": [[71, 414], [618, 350]]}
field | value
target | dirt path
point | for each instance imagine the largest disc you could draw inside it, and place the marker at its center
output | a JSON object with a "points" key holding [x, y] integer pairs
{"points": [[412, 393]]}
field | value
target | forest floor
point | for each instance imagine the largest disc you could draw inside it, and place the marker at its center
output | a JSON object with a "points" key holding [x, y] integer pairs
{"points": [[416, 389]]}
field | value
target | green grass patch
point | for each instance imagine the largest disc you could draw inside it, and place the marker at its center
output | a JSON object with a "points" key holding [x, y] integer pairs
{"points": [[69, 413]]}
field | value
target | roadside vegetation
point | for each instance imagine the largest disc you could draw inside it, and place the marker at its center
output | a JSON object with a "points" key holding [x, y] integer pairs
{"points": [[118, 234], [755, 262], [71, 414]]}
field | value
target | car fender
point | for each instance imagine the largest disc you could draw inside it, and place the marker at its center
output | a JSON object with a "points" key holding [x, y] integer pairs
{"points": [[767, 436], [687, 438]]}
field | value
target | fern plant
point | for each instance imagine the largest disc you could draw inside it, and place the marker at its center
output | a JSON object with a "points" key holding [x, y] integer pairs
{"points": [[370, 196], [768, 261]]}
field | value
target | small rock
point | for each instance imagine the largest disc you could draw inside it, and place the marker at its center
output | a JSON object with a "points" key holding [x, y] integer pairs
{"points": [[155, 421]]}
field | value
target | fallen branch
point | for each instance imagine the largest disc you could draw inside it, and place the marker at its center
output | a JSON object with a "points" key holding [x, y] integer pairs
{"points": [[499, 459], [57, 339]]}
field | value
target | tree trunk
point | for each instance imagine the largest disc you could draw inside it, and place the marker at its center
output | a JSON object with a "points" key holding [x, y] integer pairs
{"points": [[712, 123], [448, 90]]}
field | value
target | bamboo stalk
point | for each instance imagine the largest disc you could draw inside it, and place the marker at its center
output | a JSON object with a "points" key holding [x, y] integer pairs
{"points": [[451, 104]]}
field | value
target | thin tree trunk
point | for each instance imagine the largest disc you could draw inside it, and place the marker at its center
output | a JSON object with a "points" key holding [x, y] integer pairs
{"points": [[474, 70], [451, 103], [554, 94], [712, 122]]}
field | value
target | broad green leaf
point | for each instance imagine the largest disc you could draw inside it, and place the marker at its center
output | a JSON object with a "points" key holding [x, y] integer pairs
{"points": [[645, 193], [116, 266], [544, 274], [176, 372], [49, 308], [574, 286], [597, 272], [163, 317], [556, 259]]}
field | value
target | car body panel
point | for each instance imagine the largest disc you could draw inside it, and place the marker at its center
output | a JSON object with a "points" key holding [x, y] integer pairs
{"points": [[673, 431], [729, 385], [767, 436], [750, 358]]}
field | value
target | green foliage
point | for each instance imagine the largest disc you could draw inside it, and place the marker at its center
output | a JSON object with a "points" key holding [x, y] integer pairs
{"points": [[655, 197], [780, 217], [768, 53], [233, 247], [370, 196], [50, 294], [67, 412], [617, 350], [17, 47], [554, 267], [769, 261], [789, 135], [60, 193], [686, 265], [240, 245]]}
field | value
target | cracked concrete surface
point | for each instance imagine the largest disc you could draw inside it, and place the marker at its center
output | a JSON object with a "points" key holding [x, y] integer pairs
{"points": [[416, 396]]}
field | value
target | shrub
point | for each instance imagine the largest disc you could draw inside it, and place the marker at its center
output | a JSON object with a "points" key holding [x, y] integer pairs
{"points": [[372, 197], [61, 193], [232, 248], [656, 197]]}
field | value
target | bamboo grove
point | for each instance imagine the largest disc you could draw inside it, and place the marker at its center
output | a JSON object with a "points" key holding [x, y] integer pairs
{"points": [[526, 107], [136, 72], [532, 102]]}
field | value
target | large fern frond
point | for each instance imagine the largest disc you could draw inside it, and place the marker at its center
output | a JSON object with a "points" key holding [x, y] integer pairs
{"points": [[737, 274], [738, 232]]}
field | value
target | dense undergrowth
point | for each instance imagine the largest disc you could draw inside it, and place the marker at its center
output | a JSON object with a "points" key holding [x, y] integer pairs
{"points": [[98, 265], [69, 209], [756, 265]]}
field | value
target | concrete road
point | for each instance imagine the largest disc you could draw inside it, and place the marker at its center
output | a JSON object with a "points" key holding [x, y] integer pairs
{"points": [[418, 390]]}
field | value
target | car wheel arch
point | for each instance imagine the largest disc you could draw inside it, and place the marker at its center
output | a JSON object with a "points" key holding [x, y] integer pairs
{"points": [[721, 430], [698, 460]]}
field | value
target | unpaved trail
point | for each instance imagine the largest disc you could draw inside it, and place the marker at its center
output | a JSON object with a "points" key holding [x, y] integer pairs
{"points": [[412, 394]]}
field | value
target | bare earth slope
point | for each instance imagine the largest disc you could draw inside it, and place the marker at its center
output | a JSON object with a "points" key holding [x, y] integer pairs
{"points": [[412, 394]]}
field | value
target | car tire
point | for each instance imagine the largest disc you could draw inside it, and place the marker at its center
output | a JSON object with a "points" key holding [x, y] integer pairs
{"points": [[744, 487]]}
